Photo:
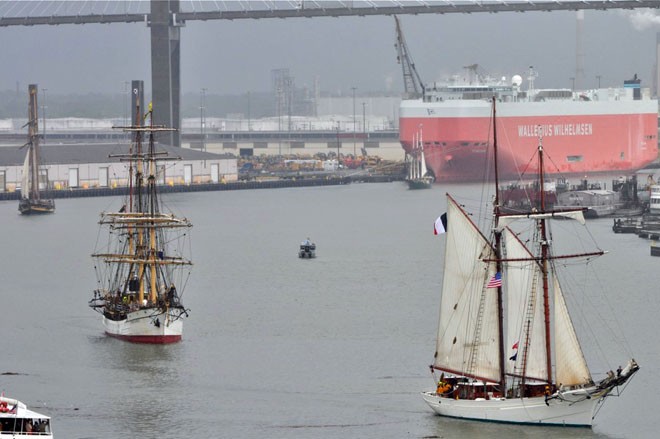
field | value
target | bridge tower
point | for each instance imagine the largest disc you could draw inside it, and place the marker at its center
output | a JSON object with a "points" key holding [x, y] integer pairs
{"points": [[166, 68]]}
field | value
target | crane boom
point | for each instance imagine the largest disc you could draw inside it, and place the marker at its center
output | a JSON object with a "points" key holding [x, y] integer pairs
{"points": [[412, 83]]}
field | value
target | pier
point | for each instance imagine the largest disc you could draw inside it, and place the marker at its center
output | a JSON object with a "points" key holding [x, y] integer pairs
{"points": [[283, 182]]}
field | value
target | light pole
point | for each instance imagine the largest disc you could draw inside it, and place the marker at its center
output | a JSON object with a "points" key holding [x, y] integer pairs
{"points": [[364, 125], [43, 107], [598, 77], [354, 152], [248, 112], [202, 99], [338, 144]]}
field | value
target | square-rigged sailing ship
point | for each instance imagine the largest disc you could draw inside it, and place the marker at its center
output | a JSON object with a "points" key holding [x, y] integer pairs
{"points": [[142, 267]]}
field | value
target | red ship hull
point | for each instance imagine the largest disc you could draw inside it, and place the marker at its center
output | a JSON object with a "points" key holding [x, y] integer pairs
{"points": [[578, 137]]}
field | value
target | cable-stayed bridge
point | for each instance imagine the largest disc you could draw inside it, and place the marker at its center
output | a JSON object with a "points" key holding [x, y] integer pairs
{"points": [[166, 18]]}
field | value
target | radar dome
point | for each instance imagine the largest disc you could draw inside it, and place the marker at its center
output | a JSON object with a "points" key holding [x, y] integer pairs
{"points": [[516, 80]]}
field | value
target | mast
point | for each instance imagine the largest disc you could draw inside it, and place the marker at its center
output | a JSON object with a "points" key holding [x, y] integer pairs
{"points": [[153, 210], [544, 260], [33, 151], [498, 254]]}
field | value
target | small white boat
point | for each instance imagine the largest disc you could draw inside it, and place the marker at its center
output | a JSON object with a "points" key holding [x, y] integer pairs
{"points": [[307, 249], [17, 421]]}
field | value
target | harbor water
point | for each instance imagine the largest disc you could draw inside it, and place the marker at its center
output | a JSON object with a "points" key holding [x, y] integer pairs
{"points": [[277, 346]]}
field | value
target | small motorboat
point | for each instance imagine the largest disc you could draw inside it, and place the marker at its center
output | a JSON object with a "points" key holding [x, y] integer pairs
{"points": [[307, 249], [17, 421]]}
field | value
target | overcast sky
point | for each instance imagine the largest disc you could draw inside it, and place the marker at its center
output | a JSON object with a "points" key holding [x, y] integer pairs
{"points": [[233, 57]]}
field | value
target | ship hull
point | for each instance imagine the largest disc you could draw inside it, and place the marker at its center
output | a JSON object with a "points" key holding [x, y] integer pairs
{"points": [[32, 207], [578, 137], [575, 410], [420, 183], [147, 325]]}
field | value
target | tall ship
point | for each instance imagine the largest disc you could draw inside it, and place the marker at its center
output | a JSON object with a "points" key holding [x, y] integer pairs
{"points": [[32, 201], [584, 132], [142, 267], [417, 177], [507, 349]]}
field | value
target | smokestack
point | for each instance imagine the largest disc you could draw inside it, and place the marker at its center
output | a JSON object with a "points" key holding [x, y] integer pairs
{"points": [[579, 51]]}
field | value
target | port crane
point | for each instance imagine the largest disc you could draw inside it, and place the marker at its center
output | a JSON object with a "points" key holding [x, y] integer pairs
{"points": [[412, 83]]}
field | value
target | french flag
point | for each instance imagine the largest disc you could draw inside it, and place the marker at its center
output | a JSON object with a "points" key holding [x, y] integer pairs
{"points": [[440, 225]]}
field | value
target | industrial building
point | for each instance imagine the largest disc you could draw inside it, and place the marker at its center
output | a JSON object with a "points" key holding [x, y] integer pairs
{"points": [[95, 165]]}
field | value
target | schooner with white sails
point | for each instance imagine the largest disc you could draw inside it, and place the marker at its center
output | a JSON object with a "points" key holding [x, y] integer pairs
{"points": [[507, 350]]}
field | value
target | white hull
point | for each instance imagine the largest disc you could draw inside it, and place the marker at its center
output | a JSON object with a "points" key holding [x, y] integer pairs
{"points": [[574, 410], [17, 421], [147, 325], [26, 435]]}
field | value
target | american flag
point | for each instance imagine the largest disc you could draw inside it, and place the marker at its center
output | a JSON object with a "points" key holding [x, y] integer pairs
{"points": [[495, 281]]}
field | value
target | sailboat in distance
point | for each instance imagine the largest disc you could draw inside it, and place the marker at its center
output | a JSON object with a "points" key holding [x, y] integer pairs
{"points": [[31, 201], [142, 267], [418, 176], [507, 350]]}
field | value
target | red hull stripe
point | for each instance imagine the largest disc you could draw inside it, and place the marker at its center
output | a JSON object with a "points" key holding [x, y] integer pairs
{"points": [[150, 339], [457, 148]]}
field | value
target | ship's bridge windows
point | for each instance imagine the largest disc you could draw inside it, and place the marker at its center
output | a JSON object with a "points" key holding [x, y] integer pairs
{"points": [[574, 158], [465, 143]]}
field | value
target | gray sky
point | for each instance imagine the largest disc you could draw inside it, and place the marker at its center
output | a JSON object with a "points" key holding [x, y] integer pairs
{"points": [[233, 57]]}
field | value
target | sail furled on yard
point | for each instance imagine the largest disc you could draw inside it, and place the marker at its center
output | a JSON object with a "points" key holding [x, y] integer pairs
{"points": [[468, 341], [525, 318], [571, 366]]}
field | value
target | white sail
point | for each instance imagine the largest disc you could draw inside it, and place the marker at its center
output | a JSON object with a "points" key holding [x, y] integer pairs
{"points": [[571, 367], [422, 163], [523, 283], [467, 334], [25, 178]]}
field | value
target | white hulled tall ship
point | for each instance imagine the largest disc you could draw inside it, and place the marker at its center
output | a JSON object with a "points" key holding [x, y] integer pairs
{"points": [[141, 268]]}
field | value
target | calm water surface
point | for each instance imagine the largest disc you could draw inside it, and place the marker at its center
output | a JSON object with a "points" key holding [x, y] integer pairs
{"points": [[275, 346]]}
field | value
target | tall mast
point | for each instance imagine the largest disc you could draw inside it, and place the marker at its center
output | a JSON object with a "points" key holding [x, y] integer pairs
{"points": [[153, 208], [33, 130], [544, 259], [498, 253]]}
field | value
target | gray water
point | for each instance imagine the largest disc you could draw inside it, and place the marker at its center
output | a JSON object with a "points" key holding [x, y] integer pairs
{"points": [[275, 346]]}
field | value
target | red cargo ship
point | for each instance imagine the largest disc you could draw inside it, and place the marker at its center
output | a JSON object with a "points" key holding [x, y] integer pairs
{"points": [[594, 131]]}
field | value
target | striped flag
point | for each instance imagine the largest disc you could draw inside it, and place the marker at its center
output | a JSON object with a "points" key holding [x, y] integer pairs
{"points": [[495, 281], [515, 354], [440, 225]]}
